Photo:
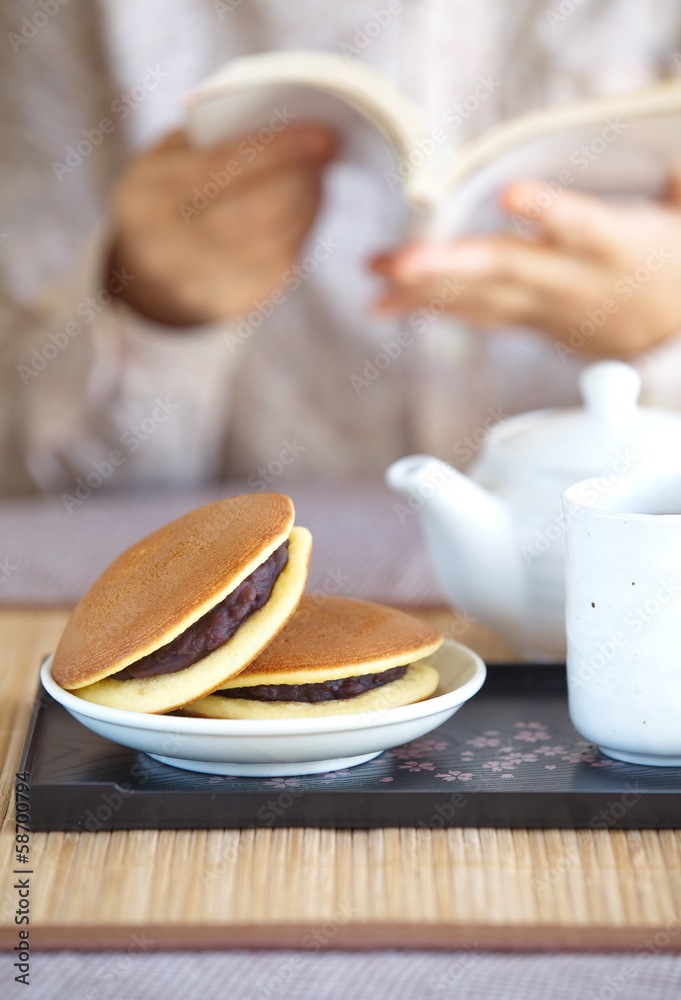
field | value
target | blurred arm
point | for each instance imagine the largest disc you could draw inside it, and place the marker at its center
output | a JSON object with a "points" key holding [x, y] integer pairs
{"points": [[102, 392]]}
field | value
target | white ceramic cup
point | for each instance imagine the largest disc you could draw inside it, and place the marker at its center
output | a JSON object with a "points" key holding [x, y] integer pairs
{"points": [[623, 615]]}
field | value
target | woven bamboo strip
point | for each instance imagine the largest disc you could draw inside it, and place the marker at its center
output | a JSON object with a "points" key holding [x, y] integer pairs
{"points": [[327, 882]]}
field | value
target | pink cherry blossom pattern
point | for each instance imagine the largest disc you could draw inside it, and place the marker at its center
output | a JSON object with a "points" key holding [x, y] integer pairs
{"points": [[484, 741], [516, 757], [530, 732], [417, 765], [456, 776], [283, 782], [585, 756], [330, 776], [419, 748]]}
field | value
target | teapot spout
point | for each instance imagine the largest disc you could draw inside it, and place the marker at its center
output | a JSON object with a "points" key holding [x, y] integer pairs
{"points": [[470, 536]]}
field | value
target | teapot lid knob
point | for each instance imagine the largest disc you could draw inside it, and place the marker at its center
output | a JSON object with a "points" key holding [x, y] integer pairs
{"points": [[610, 390]]}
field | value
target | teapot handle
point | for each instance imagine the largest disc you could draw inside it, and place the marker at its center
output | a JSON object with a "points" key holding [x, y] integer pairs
{"points": [[610, 390]]}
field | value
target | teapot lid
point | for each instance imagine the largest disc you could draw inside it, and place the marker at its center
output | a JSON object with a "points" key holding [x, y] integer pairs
{"points": [[610, 433]]}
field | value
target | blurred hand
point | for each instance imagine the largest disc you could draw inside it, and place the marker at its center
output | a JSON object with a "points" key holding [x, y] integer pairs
{"points": [[205, 233], [599, 278]]}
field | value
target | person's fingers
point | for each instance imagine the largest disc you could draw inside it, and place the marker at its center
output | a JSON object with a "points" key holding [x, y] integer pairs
{"points": [[410, 264], [673, 192], [175, 171], [257, 247], [500, 280], [413, 263], [255, 210], [481, 260], [251, 250], [251, 157], [175, 140], [573, 220], [494, 304], [382, 264], [304, 140], [241, 237]]}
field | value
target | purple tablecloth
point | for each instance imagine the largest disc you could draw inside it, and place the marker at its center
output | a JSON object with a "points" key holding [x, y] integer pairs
{"points": [[50, 555], [287, 975]]}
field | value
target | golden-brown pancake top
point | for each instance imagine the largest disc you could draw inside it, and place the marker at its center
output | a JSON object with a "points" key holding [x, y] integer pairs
{"points": [[330, 637], [165, 582]]}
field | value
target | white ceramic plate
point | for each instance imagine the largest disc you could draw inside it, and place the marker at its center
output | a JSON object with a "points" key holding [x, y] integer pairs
{"points": [[272, 748]]}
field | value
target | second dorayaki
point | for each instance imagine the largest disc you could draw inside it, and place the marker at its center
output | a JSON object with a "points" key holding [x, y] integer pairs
{"points": [[335, 656]]}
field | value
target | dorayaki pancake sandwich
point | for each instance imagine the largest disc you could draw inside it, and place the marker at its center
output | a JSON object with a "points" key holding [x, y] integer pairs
{"points": [[185, 609], [336, 656]]}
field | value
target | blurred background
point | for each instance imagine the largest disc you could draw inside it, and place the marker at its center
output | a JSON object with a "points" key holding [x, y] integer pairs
{"points": [[148, 342]]}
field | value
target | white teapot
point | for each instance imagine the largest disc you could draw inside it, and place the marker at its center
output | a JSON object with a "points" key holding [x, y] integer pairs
{"points": [[495, 535]]}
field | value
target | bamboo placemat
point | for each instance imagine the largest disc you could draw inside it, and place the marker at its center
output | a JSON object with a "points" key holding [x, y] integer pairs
{"points": [[470, 888]]}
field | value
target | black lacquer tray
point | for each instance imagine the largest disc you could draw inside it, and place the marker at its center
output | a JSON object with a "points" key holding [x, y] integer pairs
{"points": [[509, 758]]}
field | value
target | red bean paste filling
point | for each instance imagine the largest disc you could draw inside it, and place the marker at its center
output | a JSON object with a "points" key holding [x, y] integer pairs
{"points": [[344, 687], [214, 628]]}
